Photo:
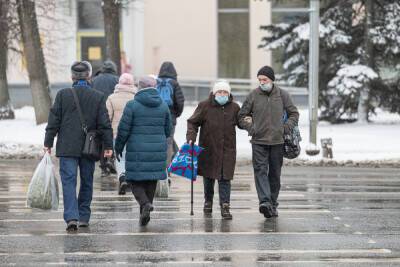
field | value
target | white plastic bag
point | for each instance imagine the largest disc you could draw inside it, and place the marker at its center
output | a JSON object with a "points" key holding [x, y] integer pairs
{"points": [[162, 189], [43, 190]]}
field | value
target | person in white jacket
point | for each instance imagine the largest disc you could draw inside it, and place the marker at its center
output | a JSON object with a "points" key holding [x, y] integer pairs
{"points": [[124, 91]]}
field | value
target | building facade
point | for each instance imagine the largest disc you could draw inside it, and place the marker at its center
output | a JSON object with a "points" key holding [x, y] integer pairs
{"points": [[206, 39]]}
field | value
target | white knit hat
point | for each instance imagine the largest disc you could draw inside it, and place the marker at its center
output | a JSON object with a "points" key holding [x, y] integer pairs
{"points": [[221, 85]]}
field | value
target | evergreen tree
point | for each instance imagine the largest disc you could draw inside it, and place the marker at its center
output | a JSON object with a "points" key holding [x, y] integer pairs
{"points": [[349, 68]]}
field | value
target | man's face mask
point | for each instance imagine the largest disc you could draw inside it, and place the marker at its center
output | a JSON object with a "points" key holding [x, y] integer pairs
{"points": [[267, 87]]}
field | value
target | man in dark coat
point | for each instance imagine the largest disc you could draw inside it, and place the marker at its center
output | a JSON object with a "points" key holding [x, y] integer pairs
{"points": [[106, 78], [144, 128], [168, 74], [104, 81], [64, 121], [262, 116], [217, 118]]}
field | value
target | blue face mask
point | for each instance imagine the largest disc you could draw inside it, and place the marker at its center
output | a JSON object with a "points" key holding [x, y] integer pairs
{"points": [[267, 87], [222, 99]]}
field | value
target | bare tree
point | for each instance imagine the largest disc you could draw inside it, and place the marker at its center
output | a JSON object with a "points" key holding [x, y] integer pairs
{"points": [[111, 12], [33, 53], [6, 110]]}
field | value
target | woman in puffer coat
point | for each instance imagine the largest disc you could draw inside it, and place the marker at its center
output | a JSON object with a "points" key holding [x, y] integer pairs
{"points": [[144, 128], [116, 102]]}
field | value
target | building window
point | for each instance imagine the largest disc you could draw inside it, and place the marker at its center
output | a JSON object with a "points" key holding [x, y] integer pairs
{"points": [[233, 39], [289, 3], [90, 15]]}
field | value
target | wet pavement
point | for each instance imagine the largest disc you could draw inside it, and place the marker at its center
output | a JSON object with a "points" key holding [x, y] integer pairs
{"points": [[328, 217]]}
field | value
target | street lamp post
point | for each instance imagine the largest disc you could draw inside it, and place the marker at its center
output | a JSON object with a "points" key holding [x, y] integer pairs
{"points": [[313, 73], [313, 70]]}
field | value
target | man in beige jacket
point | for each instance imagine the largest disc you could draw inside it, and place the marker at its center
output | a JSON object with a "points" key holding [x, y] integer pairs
{"points": [[124, 91]]}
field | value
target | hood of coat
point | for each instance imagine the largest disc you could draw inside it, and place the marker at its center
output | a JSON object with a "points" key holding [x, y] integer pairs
{"points": [[125, 88], [211, 98], [107, 67], [168, 70], [149, 97]]}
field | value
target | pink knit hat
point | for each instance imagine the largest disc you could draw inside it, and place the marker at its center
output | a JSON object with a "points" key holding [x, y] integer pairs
{"points": [[126, 79]]}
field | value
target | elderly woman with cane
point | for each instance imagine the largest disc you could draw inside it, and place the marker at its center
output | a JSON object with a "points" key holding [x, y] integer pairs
{"points": [[217, 118]]}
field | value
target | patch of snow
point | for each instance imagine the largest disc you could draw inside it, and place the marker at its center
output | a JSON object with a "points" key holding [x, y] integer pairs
{"points": [[377, 140]]}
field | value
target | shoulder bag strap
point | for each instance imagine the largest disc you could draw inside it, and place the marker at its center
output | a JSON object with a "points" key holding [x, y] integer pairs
{"points": [[78, 106]]}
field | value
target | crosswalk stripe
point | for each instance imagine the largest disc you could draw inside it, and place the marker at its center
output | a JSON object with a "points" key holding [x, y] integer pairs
{"points": [[183, 252]]}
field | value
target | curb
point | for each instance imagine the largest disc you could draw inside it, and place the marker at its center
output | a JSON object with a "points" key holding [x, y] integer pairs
{"points": [[24, 152]]}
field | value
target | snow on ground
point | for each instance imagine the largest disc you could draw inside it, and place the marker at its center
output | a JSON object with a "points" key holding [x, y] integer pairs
{"points": [[378, 140]]}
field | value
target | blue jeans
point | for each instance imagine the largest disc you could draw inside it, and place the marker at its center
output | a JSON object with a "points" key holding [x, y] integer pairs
{"points": [[77, 208]]}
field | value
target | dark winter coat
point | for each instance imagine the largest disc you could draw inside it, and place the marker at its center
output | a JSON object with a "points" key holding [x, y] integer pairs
{"points": [[266, 112], [144, 128], [217, 136], [106, 79], [65, 123], [167, 70]]}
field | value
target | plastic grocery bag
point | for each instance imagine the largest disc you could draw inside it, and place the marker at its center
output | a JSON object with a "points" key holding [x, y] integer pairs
{"points": [[43, 192], [182, 162], [162, 189]]}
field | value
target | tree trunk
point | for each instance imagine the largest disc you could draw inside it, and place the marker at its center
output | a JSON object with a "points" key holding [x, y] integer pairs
{"points": [[6, 110], [111, 12], [363, 104], [33, 53]]}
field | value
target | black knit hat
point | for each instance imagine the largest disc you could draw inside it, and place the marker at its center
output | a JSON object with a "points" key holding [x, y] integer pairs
{"points": [[267, 71], [81, 70]]}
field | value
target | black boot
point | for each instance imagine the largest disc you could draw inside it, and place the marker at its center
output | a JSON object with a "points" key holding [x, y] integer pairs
{"points": [[123, 185], [145, 215], [208, 207], [266, 209], [226, 215]]}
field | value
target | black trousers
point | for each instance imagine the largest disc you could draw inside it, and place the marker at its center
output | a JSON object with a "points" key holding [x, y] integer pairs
{"points": [[224, 190], [267, 164], [144, 191]]}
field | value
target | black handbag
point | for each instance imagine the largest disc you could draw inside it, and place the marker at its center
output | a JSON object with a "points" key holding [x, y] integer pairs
{"points": [[291, 146], [92, 146]]}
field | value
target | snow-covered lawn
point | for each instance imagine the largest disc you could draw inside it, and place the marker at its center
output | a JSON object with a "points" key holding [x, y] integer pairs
{"points": [[378, 140]]}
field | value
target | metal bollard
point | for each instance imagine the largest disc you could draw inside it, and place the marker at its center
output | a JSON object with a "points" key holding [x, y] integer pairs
{"points": [[326, 144]]}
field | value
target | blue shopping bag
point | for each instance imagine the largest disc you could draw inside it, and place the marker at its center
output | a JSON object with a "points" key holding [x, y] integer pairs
{"points": [[182, 163]]}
